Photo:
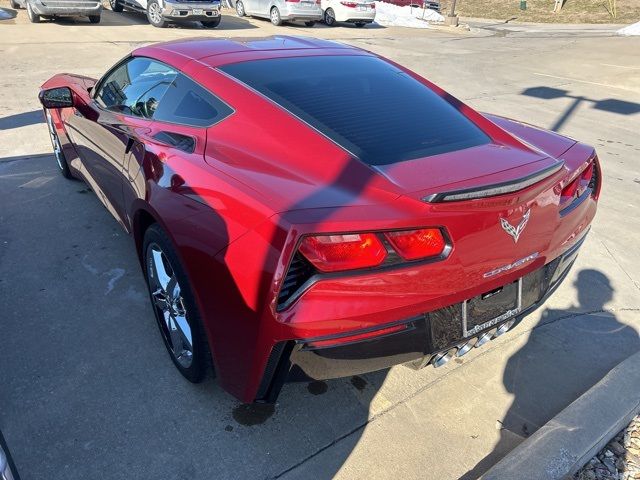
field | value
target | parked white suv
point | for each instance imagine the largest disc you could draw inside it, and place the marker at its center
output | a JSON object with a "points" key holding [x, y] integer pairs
{"points": [[359, 12], [161, 12]]}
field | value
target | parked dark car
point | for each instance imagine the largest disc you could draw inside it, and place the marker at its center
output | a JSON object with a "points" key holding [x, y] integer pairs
{"points": [[37, 9]]}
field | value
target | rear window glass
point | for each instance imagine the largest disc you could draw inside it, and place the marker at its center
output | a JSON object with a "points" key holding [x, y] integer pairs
{"points": [[368, 106]]}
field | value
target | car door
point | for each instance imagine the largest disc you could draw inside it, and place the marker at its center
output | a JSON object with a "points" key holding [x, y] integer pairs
{"points": [[253, 7], [108, 127]]}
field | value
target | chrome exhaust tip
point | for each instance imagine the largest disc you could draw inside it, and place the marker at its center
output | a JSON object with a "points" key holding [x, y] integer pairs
{"points": [[504, 328], [465, 347], [485, 337], [442, 358]]}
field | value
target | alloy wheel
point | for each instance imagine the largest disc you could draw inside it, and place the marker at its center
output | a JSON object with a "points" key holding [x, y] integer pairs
{"points": [[275, 16], [240, 8], [154, 12], [329, 17], [170, 306]]}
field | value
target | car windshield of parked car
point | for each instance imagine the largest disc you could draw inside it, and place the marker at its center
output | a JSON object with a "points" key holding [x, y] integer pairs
{"points": [[135, 87], [371, 108]]}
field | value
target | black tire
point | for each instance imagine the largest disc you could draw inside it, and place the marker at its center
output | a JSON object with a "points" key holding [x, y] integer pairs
{"points": [[240, 11], [115, 5], [201, 358], [15, 5], [155, 19], [330, 17], [274, 16], [33, 16], [360, 24], [212, 23], [309, 24], [94, 18], [58, 153]]}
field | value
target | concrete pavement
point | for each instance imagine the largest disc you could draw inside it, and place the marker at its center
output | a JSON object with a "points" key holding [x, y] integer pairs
{"points": [[87, 390]]}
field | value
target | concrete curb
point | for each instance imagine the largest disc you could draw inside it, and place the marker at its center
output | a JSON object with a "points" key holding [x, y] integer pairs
{"points": [[567, 442]]}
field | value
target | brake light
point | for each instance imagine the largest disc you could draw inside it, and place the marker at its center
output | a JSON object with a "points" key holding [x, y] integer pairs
{"points": [[588, 179], [416, 244], [570, 190], [292, 1], [350, 4], [331, 253]]}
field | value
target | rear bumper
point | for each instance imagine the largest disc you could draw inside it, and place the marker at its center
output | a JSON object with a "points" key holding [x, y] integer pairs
{"points": [[356, 19], [289, 13], [353, 15], [196, 11], [67, 9], [430, 338]]}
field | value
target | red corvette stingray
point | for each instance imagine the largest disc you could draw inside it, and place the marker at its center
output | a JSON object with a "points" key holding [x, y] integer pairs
{"points": [[305, 209]]}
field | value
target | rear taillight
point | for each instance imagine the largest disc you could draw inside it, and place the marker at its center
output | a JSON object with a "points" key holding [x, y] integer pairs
{"points": [[331, 253], [350, 4], [588, 179], [325, 254], [417, 244]]}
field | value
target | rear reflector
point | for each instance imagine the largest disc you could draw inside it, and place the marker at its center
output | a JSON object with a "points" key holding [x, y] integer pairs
{"points": [[416, 244], [357, 337], [331, 253]]}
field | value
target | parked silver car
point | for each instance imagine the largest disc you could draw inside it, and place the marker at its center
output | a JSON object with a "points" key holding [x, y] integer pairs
{"points": [[60, 8], [279, 11], [162, 12]]}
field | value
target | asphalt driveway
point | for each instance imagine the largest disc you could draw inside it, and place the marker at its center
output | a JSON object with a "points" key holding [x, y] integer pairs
{"points": [[87, 390]]}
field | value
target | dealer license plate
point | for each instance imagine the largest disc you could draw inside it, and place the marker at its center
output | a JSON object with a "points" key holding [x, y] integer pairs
{"points": [[197, 11], [491, 308], [362, 8]]}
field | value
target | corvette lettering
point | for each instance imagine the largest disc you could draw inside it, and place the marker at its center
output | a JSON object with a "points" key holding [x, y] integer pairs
{"points": [[511, 266]]}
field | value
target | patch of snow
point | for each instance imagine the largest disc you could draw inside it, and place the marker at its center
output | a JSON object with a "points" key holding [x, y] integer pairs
{"points": [[389, 15], [4, 15], [633, 29]]}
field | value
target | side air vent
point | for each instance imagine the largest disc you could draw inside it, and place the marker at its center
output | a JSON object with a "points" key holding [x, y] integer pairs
{"points": [[299, 272], [181, 142]]}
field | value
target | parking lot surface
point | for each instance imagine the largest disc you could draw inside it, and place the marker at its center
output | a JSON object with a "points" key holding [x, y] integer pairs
{"points": [[87, 390]]}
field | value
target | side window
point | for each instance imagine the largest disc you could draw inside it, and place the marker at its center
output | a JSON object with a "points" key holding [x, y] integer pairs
{"points": [[135, 87], [187, 103]]}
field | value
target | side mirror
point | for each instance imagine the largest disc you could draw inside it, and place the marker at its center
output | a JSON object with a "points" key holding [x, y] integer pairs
{"points": [[60, 97]]}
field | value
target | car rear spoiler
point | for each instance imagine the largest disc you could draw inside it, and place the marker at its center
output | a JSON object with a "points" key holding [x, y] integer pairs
{"points": [[494, 189]]}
